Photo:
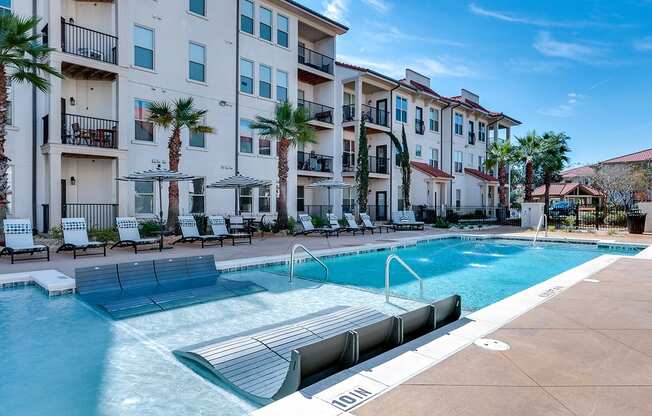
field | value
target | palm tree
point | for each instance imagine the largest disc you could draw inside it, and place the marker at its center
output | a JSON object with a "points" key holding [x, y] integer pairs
{"points": [[403, 154], [553, 160], [23, 59], [289, 127], [530, 149], [500, 155], [177, 115]]}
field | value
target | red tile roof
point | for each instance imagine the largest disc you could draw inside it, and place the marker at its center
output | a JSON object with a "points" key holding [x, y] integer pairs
{"points": [[424, 88], [481, 175], [476, 106], [367, 70], [641, 156], [431, 171], [576, 172], [563, 189]]}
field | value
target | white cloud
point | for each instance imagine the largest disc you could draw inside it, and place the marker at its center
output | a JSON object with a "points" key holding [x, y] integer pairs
{"points": [[644, 44], [566, 109], [381, 6], [525, 65], [336, 9], [443, 68], [394, 33], [549, 46], [433, 67]]}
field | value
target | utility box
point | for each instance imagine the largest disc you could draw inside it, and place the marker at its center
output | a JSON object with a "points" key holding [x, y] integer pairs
{"points": [[531, 213]]}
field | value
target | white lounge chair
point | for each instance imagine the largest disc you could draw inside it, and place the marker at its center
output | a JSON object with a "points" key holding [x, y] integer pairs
{"points": [[352, 225], [20, 240], [75, 238], [190, 233], [129, 234], [406, 219], [218, 226], [309, 228], [367, 224]]}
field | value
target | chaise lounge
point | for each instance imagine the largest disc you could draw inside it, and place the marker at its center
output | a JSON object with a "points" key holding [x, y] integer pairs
{"points": [[309, 228], [218, 226], [75, 238], [368, 225], [406, 220], [130, 236], [20, 240], [190, 233]]}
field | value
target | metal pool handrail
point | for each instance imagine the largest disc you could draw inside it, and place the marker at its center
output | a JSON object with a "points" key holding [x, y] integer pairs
{"points": [[292, 254], [536, 235], [400, 261]]}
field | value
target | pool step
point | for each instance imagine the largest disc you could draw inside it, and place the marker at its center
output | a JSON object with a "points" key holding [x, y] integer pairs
{"points": [[53, 282]]}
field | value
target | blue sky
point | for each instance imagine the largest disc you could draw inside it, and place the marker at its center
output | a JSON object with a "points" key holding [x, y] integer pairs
{"points": [[582, 67]]}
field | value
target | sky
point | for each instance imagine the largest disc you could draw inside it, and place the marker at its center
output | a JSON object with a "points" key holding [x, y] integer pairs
{"points": [[579, 67]]}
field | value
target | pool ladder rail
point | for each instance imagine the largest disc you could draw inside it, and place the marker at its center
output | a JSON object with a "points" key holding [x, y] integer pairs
{"points": [[292, 261], [388, 263], [543, 219]]}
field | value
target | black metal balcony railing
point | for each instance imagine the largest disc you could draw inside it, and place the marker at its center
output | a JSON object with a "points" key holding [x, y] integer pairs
{"points": [[317, 112], [376, 164], [316, 60], [471, 137], [370, 114], [348, 162], [314, 162], [98, 216], [89, 43], [419, 126], [89, 131], [348, 112]]}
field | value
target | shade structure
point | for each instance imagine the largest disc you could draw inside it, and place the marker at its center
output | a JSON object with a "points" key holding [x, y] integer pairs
{"points": [[330, 184], [158, 175], [238, 182]]}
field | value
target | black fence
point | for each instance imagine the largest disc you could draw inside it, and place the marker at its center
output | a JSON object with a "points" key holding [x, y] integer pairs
{"points": [[316, 210], [588, 217], [316, 60], [314, 162], [88, 43], [473, 214], [98, 216], [376, 164], [318, 112], [89, 131]]}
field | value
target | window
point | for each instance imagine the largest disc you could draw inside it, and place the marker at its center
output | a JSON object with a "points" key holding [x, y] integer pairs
{"points": [[458, 198], [348, 199], [349, 155], [434, 158], [282, 30], [143, 47], [246, 200], [265, 83], [434, 119], [5, 6], [144, 200], [459, 121], [197, 138], [196, 196], [246, 137], [471, 132], [264, 146], [9, 114], [197, 7], [482, 131], [265, 199], [9, 195], [418, 121], [459, 161], [401, 109], [481, 163], [246, 76], [265, 31], [144, 127], [281, 85], [197, 62], [417, 151], [469, 160], [247, 16], [300, 199]]}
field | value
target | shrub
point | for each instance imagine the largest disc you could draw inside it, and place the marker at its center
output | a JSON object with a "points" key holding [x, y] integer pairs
{"points": [[617, 219], [452, 216], [441, 223], [150, 229], [292, 224], [318, 221], [105, 235], [56, 233]]}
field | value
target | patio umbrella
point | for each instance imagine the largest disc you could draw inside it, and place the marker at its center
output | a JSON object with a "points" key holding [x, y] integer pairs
{"points": [[238, 182], [157, 175], [330, 184]]}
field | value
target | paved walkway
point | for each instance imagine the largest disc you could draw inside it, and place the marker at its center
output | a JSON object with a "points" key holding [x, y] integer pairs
{"points": [[588, 351]]}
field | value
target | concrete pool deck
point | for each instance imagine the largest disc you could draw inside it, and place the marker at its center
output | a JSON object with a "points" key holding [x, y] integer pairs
{"points": [[587, 351]]}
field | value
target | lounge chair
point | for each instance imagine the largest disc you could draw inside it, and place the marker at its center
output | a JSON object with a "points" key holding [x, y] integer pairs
{"points": [[129, 234], [20, 240], [75, 238], [309, 227], [406, 219], [190, 233], [352, 224], [237, 225], [368, 225], [218, 226]]}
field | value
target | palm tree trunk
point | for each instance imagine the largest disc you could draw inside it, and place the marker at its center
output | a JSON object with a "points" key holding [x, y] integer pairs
{"points": [[4, 161], [174, 148], [502, 180], [529, 178], [281, 200], [546, 195]]}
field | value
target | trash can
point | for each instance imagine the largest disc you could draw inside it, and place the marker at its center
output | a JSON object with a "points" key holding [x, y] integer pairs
{"points": [[636, 222]]}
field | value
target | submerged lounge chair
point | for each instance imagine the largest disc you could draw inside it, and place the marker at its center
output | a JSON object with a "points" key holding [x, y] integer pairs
{"points": [[309, 227], [75, 238], [218, 226], [190, 233], [20, 240], [129, 234], [406, 219], [368, 225]]}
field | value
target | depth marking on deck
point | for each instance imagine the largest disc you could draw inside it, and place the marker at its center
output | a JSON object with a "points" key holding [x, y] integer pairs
{"points": [[351, 398]]}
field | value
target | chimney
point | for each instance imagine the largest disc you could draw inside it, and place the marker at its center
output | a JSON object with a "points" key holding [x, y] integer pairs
{"points": [[468, 95], [411, 75]]}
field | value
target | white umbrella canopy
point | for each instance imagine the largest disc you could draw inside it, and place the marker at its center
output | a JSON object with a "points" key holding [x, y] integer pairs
{"points": [[330, 184], [238, 182], [158, 175]]}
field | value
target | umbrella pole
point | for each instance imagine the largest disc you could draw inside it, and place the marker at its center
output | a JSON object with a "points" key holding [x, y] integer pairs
{"points": [[160, 215]]}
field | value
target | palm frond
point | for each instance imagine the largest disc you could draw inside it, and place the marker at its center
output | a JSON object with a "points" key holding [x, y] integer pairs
{"points": [[161, 114]]}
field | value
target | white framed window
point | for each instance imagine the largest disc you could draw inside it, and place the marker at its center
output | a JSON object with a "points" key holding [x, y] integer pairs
{"points": [[282, 30], [246, 76], [401, 109], [434, 158], [471, 132], [246, 200], [143, 127], [349, 155], [433, 119], [247, 16], [197, 138], [459, 161], [482, 131], [481, 163], [143, 47], [458, 198], [281, 85], [197, 7], [246, 137], [196, 197], [265, 199], [265, 24], [264, 146], [469, 160], [10, 190], [144, 198], [417, 150], [459, 124], [265, 82], [301, 200], [196, 62]]}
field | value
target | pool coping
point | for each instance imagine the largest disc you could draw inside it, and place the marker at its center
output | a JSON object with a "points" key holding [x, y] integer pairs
{"points": [[345, 391]]}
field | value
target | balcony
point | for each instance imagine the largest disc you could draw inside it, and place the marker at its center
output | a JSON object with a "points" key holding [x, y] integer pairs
{"points": [[369, 114], [471, 137], [316, 60], [89, 43], [419, 126], [317, 112], [379, 165], [89, 131], [313, 162]]}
